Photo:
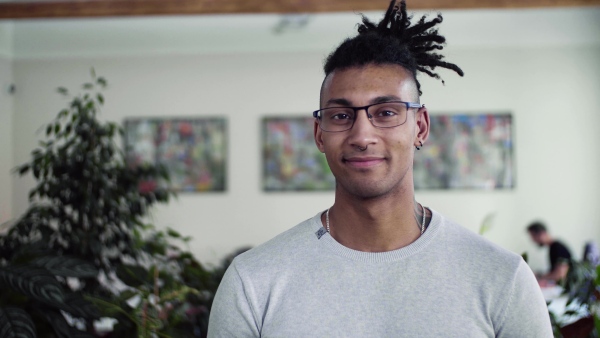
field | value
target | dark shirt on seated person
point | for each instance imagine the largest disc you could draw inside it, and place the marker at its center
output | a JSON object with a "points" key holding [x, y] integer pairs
{"points": [[558, 254]]}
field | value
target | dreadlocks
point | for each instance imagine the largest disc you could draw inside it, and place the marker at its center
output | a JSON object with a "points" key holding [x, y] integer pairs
{"points": [[394, 41]]}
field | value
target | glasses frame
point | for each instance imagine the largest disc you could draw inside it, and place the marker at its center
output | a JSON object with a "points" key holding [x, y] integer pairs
{"points": [[369, 116]]}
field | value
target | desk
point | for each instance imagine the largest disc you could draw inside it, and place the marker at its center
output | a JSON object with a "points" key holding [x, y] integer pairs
{"points": [[557, 305]]}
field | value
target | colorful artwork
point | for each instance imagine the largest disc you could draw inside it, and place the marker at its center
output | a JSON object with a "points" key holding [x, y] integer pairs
{"points": [[466, 152], [291, 160], [193, 150]]}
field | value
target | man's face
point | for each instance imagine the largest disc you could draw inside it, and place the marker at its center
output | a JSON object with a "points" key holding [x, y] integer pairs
{"points": [[370, 162], [538, 238]]}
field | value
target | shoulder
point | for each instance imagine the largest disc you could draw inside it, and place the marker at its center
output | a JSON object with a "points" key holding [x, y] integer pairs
{"points": [[477, 251], [519, 309], [558, 245], [282, 248], [472, 241], [559, 248]]}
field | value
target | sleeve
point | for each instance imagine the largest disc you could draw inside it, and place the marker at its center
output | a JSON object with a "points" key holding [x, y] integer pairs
{"points": [[232, 314], [565, 252], [526, 313], [558, 254]]}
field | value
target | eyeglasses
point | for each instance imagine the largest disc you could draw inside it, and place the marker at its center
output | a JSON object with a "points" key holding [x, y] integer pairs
{"points": [[382, 115]]}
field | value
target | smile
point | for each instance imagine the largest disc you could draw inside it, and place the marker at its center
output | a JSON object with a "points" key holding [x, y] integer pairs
{"points": [[363, 162]]}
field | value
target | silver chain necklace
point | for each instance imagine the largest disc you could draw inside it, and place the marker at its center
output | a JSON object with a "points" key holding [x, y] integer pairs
{"points": [[422, 222]]}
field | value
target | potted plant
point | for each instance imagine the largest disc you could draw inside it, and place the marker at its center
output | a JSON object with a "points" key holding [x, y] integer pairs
{"points": [[84, 222]]}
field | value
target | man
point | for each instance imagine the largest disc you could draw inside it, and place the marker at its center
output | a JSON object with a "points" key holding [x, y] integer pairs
{"points": [[378, 263], [558, 254]]}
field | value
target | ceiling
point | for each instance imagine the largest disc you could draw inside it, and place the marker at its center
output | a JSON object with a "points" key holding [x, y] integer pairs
{"points": [[30, 9]]}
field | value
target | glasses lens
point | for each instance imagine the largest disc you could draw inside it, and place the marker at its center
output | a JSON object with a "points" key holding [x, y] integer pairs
{"points": [[388, 114], [382, 115], [336, 118]]}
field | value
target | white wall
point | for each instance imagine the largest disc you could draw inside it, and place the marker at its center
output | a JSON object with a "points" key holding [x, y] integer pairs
{"points": [[6, 110], [552, 93], [549, 84], [6, 38]]}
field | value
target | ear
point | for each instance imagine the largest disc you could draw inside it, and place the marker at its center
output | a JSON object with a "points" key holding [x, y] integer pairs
{"points": [[318, 137], [422, 126]]}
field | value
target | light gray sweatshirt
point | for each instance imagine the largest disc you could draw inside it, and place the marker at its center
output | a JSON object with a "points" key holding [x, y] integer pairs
{"points": [[450, 282]]}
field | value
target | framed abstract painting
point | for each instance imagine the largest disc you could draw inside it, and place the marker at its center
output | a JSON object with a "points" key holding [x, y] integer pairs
{"points": [[467, 152], [291, 160], [194, 150]]}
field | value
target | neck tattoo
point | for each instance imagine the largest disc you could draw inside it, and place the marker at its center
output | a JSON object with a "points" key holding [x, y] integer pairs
{"points": [[422, 222]]}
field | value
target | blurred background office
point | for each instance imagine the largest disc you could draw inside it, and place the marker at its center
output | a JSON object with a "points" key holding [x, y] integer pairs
{"points": [[540, 64]]}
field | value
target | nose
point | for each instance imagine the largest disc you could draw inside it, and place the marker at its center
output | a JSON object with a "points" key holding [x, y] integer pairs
{"points": [[363, 133]]}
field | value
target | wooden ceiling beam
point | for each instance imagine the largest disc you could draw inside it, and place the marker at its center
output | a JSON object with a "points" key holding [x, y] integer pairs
{"points": [[105, 8]]}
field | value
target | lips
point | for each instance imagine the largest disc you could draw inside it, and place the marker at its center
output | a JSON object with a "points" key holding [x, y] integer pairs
{"points": [[363, 161]]}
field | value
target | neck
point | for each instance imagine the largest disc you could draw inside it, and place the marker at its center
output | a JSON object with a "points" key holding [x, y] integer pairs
{"points": [[375, 225]]}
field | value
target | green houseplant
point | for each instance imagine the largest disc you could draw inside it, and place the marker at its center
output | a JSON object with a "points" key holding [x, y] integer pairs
{"points": [[579, 316], [582, 290], [84, 232], [84, 222]]}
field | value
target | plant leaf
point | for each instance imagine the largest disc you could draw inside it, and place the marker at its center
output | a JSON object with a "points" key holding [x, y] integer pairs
{"points": [[108, 308], [66, 266], [61, 327], [101, 81], [15, 322], [78, 306], [57, 321], [63, 113], [39, 284], [62, 90], [34, 282], [487, 223], [173, 233], [134, 276], [23, 169]]}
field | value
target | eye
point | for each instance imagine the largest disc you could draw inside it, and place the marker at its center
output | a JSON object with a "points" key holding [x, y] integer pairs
{"points": [[341, 116], [385, 112]]}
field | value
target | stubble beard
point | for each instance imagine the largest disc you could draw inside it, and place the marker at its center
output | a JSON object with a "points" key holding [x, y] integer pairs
{"points": [[372, 188]]}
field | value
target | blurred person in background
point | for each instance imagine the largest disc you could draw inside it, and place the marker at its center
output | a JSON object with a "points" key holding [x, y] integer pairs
{"points": [[559, 255], [378, 263]]}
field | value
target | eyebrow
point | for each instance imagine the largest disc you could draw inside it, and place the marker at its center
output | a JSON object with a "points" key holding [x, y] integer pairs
{"points": [[347, 103]]}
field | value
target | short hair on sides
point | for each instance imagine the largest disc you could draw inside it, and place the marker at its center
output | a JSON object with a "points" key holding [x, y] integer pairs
{"points": [[537, 228]]}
